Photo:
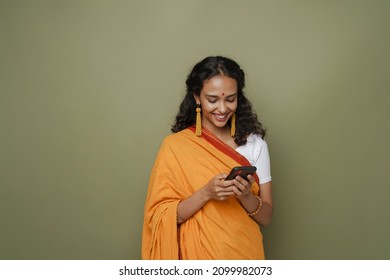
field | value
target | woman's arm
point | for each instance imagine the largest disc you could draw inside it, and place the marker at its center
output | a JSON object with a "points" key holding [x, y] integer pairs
{"points": [[215, 189], [251, 203]]}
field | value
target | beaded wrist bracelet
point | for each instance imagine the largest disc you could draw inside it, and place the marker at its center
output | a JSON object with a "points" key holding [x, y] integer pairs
{"points": [[258, 207]]}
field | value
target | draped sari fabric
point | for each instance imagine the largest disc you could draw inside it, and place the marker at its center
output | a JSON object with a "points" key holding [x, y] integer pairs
{"points": [[220, 229]]}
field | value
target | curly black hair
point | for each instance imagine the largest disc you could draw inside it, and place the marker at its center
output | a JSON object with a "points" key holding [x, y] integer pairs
{"points": [[246, 120]]}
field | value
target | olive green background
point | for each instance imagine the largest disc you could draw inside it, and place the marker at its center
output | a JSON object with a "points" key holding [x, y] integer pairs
{"points": [[90, 88]]}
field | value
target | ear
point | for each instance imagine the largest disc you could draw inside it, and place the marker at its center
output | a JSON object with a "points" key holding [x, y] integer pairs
{"points": [[197, 99]]}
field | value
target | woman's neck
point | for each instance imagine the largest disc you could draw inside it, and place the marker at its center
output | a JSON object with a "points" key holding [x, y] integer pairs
{"points": [[223, 134]]}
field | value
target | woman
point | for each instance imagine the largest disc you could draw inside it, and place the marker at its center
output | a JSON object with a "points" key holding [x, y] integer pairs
{"points": [[191, 212]]}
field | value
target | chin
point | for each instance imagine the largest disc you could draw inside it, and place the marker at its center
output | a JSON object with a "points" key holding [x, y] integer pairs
{"points": [[219, 124]]}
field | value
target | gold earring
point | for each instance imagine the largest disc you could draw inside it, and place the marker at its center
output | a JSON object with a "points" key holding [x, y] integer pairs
{"points": [[233, 125], [198, 130]]}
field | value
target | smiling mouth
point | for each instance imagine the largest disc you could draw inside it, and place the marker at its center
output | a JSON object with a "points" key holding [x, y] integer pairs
{"points": [[221, 118]]}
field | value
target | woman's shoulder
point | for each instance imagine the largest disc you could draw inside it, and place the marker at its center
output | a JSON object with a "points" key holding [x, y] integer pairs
{"points": [[254, 144], [177, 137], [254, 148], [255, 140]]}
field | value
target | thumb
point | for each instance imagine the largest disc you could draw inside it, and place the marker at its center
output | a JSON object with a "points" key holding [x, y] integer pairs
{"points": [[221, 176]]}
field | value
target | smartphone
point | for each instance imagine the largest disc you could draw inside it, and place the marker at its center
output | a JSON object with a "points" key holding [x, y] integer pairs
{"points": [[242, 171]]}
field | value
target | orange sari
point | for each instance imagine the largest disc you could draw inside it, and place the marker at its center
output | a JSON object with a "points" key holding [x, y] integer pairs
{"points": [[220, 229]]}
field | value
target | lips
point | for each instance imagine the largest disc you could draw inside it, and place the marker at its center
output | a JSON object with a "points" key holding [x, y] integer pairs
{"points": [[221, 118]]}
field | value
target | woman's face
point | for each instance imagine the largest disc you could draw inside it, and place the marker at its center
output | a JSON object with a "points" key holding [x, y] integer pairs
{"points": [[218, 100]]}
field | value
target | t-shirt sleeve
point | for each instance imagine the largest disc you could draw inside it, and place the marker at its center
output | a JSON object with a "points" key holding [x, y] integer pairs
{"points": [[262, 161]]}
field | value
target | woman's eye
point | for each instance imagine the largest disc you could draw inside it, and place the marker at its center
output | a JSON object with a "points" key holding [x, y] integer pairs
{"points": [[231, 100], [212, 101]]}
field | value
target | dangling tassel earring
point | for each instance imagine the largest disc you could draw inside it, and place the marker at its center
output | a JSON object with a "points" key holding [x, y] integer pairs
{"points": [[198, 130], [233, 125]]}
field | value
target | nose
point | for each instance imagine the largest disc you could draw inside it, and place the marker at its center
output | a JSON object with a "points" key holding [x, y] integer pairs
{"points": [[222, 107]]}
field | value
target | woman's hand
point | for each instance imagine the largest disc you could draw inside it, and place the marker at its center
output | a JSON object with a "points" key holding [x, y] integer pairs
{"points": [[242, 187], [216, 189], [219, 189]]}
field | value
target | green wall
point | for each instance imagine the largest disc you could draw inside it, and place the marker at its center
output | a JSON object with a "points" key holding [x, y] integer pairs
{"points": [[90, 88]]}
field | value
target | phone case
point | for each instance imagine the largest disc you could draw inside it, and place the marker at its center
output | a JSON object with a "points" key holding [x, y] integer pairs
{"points": [[242, 171]]}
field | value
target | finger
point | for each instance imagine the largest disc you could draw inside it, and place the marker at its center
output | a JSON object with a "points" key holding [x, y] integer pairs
{"points": [[226, 194], [242, 181], [243, 186], [237, 191], [251, 179], [225, 184], [221, 176], [223, 190]]}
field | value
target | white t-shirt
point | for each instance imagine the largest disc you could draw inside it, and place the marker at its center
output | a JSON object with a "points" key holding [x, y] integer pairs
{"points": [[256, 152]]}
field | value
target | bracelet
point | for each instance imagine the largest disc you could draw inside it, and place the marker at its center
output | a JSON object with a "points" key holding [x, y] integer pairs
{"points": [[258, 207]]}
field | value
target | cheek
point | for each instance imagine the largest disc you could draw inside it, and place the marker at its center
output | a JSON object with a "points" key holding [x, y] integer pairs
{"points": [[207, 107], [233, 106]]}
